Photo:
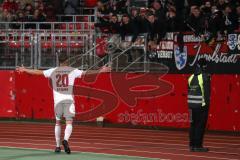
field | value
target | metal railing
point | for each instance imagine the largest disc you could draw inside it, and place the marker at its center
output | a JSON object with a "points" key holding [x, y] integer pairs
{"points": [[51, 45], [122, 55], [76, 18], [40, 50], [16, 50], [47, 26], [39, 46], [27, 45]]}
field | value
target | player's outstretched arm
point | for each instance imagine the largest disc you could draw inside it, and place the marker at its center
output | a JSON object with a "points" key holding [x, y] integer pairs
{"points": [[29, 71], [104, 69]]}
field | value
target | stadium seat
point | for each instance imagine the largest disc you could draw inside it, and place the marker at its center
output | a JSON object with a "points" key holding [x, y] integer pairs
{"points": [[85, 19], [46, 45], [27, 44], [92, 26], [61, 45], [69, 26], [76, 45], [27, 38], [78, 26], [63, 26], [10, 38], [14, 44], [86, 26]]}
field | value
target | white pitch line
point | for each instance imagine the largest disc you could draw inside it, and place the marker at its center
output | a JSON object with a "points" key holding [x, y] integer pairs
{"points": [[165, 153], [85, 152]]}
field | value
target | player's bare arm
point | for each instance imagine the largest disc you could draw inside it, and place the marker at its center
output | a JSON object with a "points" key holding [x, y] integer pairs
{"points": [[104, 69], [29, 71]]}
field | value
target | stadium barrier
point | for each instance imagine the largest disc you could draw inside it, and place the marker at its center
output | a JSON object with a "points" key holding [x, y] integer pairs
{"points": [[23, 99]]}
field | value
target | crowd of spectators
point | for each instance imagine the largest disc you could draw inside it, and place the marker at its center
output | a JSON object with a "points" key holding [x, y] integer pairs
{"points": [[208, 18], [32, 11], [36, 10], [25, 10], [203, 17]]}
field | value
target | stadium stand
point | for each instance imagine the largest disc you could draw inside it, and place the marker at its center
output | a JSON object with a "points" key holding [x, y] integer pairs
{"points": [[209, 19]]}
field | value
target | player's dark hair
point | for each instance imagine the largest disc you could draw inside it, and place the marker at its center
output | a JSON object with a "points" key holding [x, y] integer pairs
{"points": [[62, 58]]}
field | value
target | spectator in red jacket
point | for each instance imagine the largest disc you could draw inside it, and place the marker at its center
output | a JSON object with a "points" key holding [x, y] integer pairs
{"points": [[10, 5]]}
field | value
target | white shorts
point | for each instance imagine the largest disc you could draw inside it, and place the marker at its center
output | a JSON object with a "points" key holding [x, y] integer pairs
{"points": [[64, 109]]}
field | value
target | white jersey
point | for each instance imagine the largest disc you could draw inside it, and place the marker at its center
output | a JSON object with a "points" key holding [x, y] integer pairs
{"points": [[62, 82]]}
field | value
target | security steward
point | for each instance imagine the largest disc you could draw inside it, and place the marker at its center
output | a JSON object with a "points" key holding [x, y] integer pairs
{"points": [[198, 102]]}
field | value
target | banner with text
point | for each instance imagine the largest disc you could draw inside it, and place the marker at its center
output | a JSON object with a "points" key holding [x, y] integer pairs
{"points": [[222, 55]]}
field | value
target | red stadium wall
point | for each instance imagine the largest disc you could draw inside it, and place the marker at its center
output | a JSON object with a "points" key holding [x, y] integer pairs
{"points": [[7, 94], [34, 97], [34, 100]]}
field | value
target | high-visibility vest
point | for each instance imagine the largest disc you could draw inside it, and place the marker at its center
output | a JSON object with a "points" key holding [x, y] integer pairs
{"points": [[196, 91]]}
